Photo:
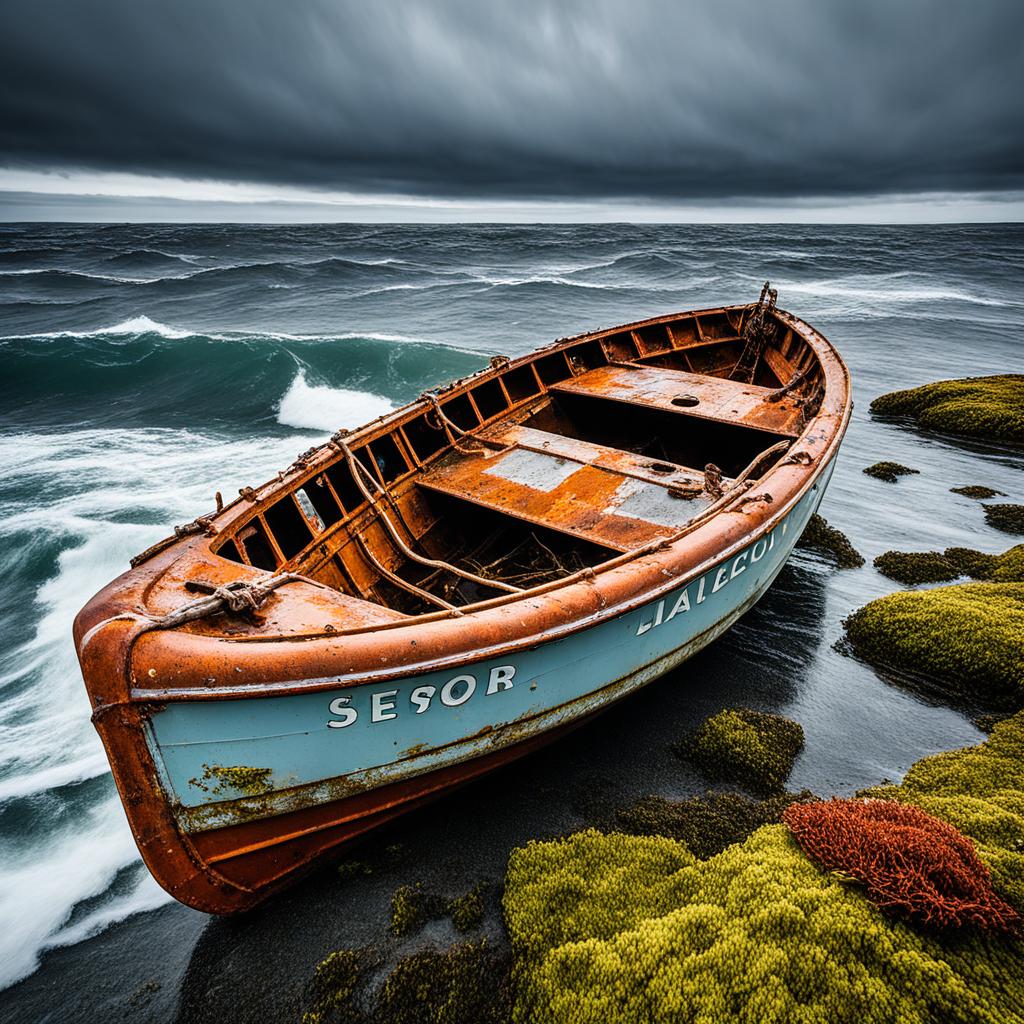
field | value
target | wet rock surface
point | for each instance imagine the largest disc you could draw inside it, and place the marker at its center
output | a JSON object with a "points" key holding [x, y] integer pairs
{"points": [[890, 472]]}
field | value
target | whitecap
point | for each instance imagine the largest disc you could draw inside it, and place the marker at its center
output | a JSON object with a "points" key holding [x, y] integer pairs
{"points": [[320, 407], [884, 288]]}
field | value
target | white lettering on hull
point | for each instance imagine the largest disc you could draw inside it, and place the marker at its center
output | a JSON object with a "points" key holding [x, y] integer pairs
{"points": [[384, 704], [720, 577]]}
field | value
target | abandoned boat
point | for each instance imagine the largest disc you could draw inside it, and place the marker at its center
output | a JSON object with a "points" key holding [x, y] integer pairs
{"points": [[426, 598]]}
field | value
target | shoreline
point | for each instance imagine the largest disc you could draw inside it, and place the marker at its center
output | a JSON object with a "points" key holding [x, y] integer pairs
{"points": [[241, 968]]}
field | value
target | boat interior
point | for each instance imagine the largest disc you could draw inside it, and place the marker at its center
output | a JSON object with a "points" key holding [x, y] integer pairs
{"points": [[540, 468]]}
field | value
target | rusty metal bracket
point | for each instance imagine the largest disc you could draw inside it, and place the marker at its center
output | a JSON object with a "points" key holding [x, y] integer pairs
{"points": [[713, 480]]}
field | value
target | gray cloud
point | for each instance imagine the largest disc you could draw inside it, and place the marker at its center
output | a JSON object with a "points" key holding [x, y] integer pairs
{"points": [[633, 98]]}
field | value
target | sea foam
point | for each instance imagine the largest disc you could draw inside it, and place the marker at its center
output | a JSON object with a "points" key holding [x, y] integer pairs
{"points": [[319, 407]]}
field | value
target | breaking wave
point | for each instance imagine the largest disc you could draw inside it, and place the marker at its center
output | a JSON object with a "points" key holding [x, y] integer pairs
{"points": [[319, 407]]}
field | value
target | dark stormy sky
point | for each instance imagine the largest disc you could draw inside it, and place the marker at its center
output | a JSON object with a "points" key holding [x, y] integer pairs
{"points": [[487, 104]]}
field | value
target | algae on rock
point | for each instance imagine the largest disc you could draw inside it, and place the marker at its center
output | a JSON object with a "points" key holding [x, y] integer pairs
{"points": [[706, 824], [467, 984], [977, 491], [912, 567], [820, 537], [753, 748], [890, 472], [966, 636], [334, 983], [412, 907], [986, 408], [1006, 517]]}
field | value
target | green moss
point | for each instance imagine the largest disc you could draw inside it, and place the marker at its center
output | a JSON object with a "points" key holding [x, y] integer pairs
{"points": [[412, 907], [705, 824], [965, 636], [990, 408], [335, 980], [1005, 517], [976, 491], [826, 540], [240, 778], [916, 567], [468, 911], [980, 790], [615, 929], [752, 748], [467, 984], [756, 933], [935, 567], [889, 471], [1005, 568], [354, 869]]}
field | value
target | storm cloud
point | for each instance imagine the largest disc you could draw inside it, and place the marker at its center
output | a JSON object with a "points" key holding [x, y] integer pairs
{"points": [[684, 101]]}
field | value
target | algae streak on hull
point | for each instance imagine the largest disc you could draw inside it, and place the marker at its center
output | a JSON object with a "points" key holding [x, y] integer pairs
{"points": [[613, 928], [987, 408]]}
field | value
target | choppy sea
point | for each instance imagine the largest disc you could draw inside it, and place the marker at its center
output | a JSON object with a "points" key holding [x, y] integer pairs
{"points": [[143, 368]]}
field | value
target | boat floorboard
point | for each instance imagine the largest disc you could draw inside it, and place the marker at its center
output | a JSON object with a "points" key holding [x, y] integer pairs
{"points": [[612, 498], [690, 394]]}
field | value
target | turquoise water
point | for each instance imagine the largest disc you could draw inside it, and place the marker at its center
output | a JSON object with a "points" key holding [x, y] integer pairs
{"points": [[144, 368]]}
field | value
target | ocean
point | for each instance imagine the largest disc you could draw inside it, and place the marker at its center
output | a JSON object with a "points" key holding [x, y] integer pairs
{"points": [[143, 368]]}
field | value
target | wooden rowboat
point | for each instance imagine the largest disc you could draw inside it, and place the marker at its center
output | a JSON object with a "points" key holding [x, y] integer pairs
{"points": [[428, 597]]}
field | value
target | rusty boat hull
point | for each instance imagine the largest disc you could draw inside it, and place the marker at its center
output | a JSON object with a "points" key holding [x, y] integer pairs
{"points": [[429, 597]]}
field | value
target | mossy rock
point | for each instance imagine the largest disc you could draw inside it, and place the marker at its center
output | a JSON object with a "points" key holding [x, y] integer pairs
{"points": [[753, 748], [412, 906], [966, 637], [826, 540], [614, 929], [889, 471], [977, 491], [912, 567], [467, 984], [1005, 517], [335, 981], [705, 824], [986, 408], [467, 912]]}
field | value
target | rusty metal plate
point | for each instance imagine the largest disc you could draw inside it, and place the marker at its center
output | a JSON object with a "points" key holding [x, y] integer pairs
{"points": [[643, 467], [532, 469], [689, 394], [584, 500]]}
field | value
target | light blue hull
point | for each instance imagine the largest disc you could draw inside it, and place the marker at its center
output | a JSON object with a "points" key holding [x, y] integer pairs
{"points": [[223, 762]]}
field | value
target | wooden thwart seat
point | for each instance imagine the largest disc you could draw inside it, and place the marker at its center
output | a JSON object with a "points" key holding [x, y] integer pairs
{"points": [[612, 498], [689, 394]]}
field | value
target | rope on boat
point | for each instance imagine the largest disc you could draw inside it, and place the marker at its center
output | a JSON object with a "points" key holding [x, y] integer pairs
{"points": [[359, 471], [457, 436], [201, 524], [235, 597], [713, 480], [758, 331]]}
